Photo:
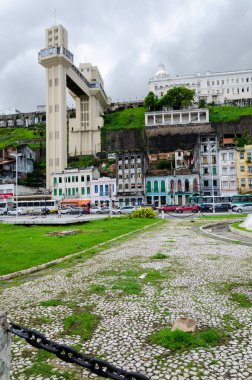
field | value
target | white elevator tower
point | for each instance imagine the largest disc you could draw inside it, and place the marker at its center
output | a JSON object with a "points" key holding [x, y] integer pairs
{"points": [[85, 85]]}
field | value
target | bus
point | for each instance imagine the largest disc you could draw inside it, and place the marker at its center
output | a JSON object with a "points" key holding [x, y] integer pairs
{"points": [[241, 199], [199, 199], [30, 205]]}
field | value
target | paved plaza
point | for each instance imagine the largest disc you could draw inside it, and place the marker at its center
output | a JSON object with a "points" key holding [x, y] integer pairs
{"points": [[196, 279]]}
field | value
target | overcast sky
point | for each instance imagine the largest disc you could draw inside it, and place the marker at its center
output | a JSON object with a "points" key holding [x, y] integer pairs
{"points": [[127, 40]]}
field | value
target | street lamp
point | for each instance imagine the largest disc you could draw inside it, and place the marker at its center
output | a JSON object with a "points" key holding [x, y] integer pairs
{"points": [[211, 150], [16, 155]]}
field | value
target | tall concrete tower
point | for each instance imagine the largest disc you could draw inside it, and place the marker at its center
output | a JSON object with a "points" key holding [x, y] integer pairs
{"points": [[86, 87]]}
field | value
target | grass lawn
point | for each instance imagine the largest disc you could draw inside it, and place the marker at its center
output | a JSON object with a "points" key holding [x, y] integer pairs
{"points": [[227, 113], [228, 216], [22, 247], [128, 118], [238, 227], [11, 136]]}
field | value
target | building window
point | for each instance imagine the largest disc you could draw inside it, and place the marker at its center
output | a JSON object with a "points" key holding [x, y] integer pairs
{"points": [[250, 183], [69, 179], [249, 157], [96, 189], [82, 178], [88, 178], [60, 179], [73, 178], [155, 186], [205, 171], [55, 192], [76, 179], [60, 191], [243, 182], [231, 156], [148, 186], [214, 170], [242, 168], [54, 180], [241, 155], [163, 186], [88, 190], [215, 182], [205, 183], [73, 191], [83, 190], [250, 169]]}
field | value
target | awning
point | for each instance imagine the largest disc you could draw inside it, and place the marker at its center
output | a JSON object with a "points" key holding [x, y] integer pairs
{"points": [[80, 202]]}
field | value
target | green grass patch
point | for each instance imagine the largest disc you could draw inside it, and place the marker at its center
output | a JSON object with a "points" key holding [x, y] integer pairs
{"points": [[128, 286], [242, 299], [178, 341], [170, 241], [52, 302], [231, 323], [98, 289], [238, 227], [228, 113], [11, 136], [22, 247], [159, 256], [227, 216], [82, 324], [128, 118]]}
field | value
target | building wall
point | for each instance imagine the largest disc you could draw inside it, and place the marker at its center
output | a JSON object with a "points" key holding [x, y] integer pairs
{"points": [[171, 189], [103, 190], [244, 169], [228, 171], [228, 86], [74, 183]]}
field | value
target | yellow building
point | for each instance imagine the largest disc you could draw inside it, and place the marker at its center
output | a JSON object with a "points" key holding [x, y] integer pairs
{"points": [[244, 169]]}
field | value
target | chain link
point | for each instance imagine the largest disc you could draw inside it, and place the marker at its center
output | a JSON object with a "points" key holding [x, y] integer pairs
{"points": [[98, 366]]}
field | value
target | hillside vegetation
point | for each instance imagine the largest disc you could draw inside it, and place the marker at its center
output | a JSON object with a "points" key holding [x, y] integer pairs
{"points": [[227, 113], [128, 118]]}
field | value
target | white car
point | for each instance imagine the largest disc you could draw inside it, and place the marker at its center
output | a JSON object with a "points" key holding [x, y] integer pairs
{"points": [[19, 211], [2, 211], [95, 210], [124, 210], [247, 207]]}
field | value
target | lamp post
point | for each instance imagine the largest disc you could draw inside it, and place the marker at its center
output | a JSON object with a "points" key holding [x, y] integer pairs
{"points": [[211, 150], [16, 155]]}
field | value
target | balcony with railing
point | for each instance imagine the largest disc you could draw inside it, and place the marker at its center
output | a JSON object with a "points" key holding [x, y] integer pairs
{"points": [[44, 53]]}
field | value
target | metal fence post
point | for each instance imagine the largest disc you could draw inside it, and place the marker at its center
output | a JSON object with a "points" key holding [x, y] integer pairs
{"points": [[5, 345]]}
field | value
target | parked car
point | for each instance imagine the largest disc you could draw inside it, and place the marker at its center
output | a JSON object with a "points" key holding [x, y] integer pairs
{"points": [[205, 207], [187, 207], [124, 210], [2, 212], [17, 211], [95, 210], [168, 208], [247, 207], [104, 210], [220, 207], [39, 211], [78, 210]]}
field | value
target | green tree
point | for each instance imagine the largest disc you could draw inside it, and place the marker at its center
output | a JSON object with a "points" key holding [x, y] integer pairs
{"points": [[202, 103], [151, 101], [244, 139], [178, 98]]}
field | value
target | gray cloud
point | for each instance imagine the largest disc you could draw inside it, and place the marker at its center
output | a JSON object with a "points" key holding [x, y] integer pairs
{"points": [[126, 40]]}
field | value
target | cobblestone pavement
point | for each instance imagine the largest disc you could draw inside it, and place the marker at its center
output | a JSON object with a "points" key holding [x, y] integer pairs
{"points": [[192, 281]]}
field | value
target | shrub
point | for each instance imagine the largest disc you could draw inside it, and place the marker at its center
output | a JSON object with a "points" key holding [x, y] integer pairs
{"points": [[143, 213]]}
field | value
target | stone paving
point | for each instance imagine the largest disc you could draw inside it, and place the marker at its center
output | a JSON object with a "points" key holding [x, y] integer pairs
{"points": [[190, 282]]}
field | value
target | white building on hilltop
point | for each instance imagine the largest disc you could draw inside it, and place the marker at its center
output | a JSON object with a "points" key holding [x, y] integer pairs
{"points": [[221, 87]]}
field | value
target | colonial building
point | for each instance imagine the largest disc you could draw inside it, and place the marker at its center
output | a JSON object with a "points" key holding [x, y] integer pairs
{"points": [[228, 171], [130, 177], [24, 162], [221, 87], [207, 163], [244, 169], [171, 189], [74, 183], [103, 190]]}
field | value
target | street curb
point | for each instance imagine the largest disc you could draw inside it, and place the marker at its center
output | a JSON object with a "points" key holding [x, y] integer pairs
{"points": [[241, 232], [65, 258]]}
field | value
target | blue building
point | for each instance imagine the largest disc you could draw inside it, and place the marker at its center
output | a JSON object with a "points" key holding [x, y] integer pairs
{"points": [[171, 189]]}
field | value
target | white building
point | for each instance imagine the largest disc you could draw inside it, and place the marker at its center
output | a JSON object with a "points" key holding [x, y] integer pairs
{"points": [[221, 87], [74, 183], [228, 171], [102, 190]]}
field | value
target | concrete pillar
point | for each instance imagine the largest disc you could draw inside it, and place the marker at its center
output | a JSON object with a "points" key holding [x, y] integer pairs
{"points": [[171, 118], [189, 116], [154, 119], [180, 117], [198, 117], [5, 346], [163, 118]]}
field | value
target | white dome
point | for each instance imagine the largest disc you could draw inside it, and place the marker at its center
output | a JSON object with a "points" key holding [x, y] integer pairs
{"points": [[161, 72]]}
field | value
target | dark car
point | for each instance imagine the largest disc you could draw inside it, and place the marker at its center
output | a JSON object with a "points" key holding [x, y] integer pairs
{"points": [[168, 208], [78, 211], [224, 207], [205, 207]]}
